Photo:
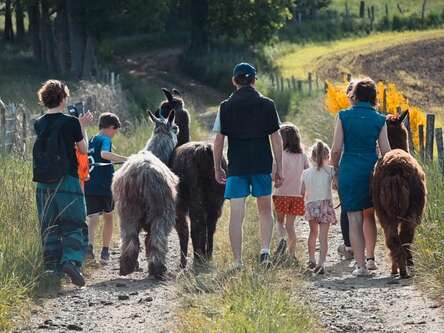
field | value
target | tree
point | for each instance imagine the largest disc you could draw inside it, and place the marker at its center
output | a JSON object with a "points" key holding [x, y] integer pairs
{"points": [[311, 7], [19, 20], [255, 21], [8, 32]]}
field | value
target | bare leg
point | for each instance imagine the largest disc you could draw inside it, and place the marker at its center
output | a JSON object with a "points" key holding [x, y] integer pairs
{"points": [[93, 220], [289, 225], [370, 232], [107, 229], [280, 225], [357, 237], [266, 220], [323, 242], [237, 213], [312, 240]]}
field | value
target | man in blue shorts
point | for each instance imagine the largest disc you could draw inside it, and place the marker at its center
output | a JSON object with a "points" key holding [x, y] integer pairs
{"points": [[249, 120]]}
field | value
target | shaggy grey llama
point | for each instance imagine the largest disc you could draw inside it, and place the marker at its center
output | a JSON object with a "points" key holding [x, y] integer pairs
{"points": [[145, 191]]}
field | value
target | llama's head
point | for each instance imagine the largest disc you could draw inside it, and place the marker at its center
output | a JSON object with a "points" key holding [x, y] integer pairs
{"points": [[397, 132], [173, 101], [164, 137]]}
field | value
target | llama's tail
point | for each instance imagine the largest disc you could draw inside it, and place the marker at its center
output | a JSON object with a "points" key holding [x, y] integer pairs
{"points": [[394, 195]]}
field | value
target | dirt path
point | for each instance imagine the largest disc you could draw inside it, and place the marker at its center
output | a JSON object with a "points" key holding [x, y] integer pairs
{"points": [[111, 303], [377, 304]]}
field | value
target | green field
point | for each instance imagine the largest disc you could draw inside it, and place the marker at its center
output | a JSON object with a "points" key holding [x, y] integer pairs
{"points": [[408, 7], [298, 61]]}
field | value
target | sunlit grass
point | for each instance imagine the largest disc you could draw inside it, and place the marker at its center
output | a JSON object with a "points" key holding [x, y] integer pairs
{"points": [[251, 300], [299, 60], [429, 245]]}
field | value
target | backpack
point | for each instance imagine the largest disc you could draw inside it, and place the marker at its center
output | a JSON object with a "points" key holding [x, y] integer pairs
{"points": [[49, 155]]}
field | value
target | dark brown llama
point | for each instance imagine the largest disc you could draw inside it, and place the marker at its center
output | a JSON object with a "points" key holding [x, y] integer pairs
{"points": [[399, 196], [145, 191], [175, 102], [200, 197]]}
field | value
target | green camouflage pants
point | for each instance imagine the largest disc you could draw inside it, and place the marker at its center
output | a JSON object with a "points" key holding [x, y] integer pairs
{"points": [[62, 215]]}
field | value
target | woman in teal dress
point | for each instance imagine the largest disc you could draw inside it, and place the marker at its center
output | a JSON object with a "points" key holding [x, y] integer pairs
{"points": [[357, 132]]}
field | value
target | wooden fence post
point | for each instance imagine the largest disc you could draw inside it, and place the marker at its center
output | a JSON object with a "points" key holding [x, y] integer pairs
{"points": [[300, 86], [282, 84], [317, 81], [24, 129], [293, 82], [310, 83], [409, 131], [11, 127], [272, 80], [421, 142], [289, 84], [349, 77], [113, 82], [440, 146], [2, 126], [430, 136]]}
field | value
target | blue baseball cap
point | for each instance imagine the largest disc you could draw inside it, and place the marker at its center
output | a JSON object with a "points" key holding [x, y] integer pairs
{"points": [[244, 69]]}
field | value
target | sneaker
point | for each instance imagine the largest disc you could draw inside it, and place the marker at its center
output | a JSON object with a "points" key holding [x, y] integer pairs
{"points": [[360, 272], [282, 247], [71, 269], [345, 251], [371, 264], [90, 253], [104, 255], [265, 260], [319, 270], [311, 265]]}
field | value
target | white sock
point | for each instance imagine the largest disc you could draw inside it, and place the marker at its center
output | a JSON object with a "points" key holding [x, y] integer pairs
{"points": [[265, 250]]}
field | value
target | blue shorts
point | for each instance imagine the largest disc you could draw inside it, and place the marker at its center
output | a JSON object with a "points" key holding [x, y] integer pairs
{"points": [[258, 185]]}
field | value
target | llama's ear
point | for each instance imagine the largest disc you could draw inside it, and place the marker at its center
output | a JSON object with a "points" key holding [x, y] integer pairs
{"points": [[152, 117], [171, 117], [403, 115], [176, 92], [168, 94]]}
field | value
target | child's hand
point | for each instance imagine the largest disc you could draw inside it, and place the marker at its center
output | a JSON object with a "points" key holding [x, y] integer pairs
{"points": [[278, 178], [220, 176], [86, 119], [334, 183]]}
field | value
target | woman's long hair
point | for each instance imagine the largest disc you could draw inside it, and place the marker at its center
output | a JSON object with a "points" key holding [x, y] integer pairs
{"points": [[291, 138], [319, 152]]}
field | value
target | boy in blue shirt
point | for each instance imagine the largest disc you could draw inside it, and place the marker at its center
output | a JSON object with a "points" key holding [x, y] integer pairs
{"points": [[98, 195]]}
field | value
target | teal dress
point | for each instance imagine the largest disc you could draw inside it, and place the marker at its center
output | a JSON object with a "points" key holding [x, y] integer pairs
{"points": [[361, 125]]}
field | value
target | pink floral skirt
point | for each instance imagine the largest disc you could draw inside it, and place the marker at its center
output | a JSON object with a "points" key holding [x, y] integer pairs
{"points": [[321, 211]]}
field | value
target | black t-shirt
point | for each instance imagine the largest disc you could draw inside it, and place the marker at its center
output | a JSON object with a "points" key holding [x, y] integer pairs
{"points": [[71, 133], [247, 118]]}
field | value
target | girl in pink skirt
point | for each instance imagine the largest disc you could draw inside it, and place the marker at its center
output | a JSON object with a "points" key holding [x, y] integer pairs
{"points": [[319, 211]]}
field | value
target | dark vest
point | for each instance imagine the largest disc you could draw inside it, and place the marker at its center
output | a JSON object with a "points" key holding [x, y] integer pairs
{"points": [[246, 114]]}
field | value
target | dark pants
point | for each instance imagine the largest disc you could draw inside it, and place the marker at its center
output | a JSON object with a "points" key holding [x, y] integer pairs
{"points": [[345, 228], [62, 215]]}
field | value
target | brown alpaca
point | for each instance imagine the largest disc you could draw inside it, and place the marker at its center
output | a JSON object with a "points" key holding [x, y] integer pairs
{"points": [[175, 102], [145, 191], [200, 197], [399, 196]]}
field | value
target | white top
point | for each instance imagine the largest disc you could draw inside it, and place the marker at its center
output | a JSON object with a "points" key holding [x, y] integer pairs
{"points": [[318, 183], [292, 167]]}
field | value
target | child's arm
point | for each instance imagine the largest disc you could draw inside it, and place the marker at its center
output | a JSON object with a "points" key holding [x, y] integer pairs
{"points": [[112, 157], [338, 141], [303, 189], [276, 144]]}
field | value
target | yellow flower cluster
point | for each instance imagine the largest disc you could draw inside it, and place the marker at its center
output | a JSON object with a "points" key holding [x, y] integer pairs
{"points": [[389, 98]]}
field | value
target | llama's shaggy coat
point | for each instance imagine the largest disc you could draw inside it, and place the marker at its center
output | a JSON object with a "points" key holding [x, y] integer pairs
{"points": [[145, 191], [399, 196], [200, 197]]}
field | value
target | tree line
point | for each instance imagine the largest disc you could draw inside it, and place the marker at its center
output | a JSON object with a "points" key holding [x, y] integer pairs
{"points": [[64, 34]]}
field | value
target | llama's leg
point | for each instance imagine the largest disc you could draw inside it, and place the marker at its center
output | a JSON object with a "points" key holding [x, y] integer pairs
{"points": [[160, 228], [211, 229], [199, 231], [397, 253], [129, 233], [184, 234], [406, 236]]}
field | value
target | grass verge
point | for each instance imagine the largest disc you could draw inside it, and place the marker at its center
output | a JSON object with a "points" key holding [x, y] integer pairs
{"points": [[251, 300], [429, 245]]}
